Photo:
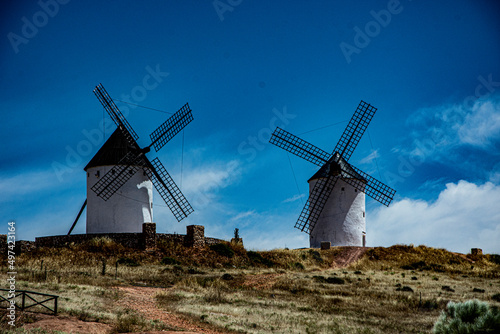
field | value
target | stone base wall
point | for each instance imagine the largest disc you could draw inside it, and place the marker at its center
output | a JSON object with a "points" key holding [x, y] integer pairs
{"points": [[132, 240], [148, 239]]}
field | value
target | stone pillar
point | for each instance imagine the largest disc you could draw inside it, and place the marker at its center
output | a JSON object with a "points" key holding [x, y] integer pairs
{"points": [[149, 235], [195, 236], [325, 245], [476, 251], [237, 241]]}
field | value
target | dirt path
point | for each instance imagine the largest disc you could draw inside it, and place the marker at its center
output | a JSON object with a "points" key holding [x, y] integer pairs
{"points": [[142, 299], [67, 324], [348, 255]]}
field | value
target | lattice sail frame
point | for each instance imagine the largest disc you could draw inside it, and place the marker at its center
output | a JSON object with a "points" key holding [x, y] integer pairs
{"points": [[169, 191], [115, 178], [135, 160], [355, 130], [350, 174], [115, 114], [171, 127], [315, 203], [299, 147]]}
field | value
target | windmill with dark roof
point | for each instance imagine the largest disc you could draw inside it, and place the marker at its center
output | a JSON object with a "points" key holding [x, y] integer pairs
{"points": [[335, 209], [120, 177]]}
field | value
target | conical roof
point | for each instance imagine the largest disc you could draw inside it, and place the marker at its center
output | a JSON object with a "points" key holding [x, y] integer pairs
{"points": [[113, 150], [335, 166]]}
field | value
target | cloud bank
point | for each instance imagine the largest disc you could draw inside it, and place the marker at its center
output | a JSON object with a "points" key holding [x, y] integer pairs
{"points": [[464, 216]]}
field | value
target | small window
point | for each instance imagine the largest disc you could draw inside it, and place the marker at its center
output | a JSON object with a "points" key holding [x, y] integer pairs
{"points": [[355, 190], [363, 214], [98, 173], [342, 189]]}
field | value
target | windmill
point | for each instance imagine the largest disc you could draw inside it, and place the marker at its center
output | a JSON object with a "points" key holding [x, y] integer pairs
{"points": [[335, 209], [121, 167]]}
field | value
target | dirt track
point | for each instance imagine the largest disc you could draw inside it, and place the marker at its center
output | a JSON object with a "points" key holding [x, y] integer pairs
{"points": [[349, 255]]}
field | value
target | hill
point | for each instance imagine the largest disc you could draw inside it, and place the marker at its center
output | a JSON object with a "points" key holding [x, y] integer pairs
{"points": [[104, 287]]}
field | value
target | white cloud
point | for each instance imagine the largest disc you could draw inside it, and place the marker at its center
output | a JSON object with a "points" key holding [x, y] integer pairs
{"points": [[29, 183], [293, 198], [464, 216], [210, 177], [242, 215], [481, 125], [437, 130], [369, 158]]}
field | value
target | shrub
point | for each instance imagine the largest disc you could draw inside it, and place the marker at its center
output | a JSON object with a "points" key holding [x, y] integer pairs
{"points": [[297, 266], [227, 277], [447, 288], [472, 316], [496, 297], [316, 256], [414, 266], [169, 260], [127, 261], [222, 250], [329, 280], [101, 245], [257, 258], [405, 289], [495, 258], [127, 321]]}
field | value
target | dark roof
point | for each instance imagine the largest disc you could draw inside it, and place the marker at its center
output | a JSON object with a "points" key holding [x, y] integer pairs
{"points": [[113, 150], [335, 166]]}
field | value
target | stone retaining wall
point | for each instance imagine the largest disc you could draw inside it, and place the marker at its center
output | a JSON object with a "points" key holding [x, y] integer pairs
{"points": [[148, 239]]}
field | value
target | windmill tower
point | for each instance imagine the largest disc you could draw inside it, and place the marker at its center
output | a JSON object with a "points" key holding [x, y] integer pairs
{"points": [[335, 209], [120, 178], [131, 206]]}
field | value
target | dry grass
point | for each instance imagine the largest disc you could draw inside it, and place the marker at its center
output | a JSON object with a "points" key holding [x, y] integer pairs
{"points": [[389, 290]]}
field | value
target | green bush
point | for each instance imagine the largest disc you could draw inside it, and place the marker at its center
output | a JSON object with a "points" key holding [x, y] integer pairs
{"points": [[223, 250], [472, 316]]}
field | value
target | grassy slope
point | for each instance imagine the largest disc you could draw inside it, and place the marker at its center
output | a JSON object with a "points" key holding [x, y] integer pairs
{"points": [[389, 290]]}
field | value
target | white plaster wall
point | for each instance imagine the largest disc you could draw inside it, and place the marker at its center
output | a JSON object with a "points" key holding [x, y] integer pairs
{"points": [[126, 210], [342, 221]]}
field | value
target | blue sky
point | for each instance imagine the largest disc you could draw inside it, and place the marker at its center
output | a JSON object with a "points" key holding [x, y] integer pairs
{"points": [[431, 68]]}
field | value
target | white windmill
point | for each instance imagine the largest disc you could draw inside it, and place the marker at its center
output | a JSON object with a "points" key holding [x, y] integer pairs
{"points": [[335, 209], [120, 177]]}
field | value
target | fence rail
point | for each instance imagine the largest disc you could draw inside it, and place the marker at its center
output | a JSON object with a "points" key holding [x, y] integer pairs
{"points": [[29, 296]]}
